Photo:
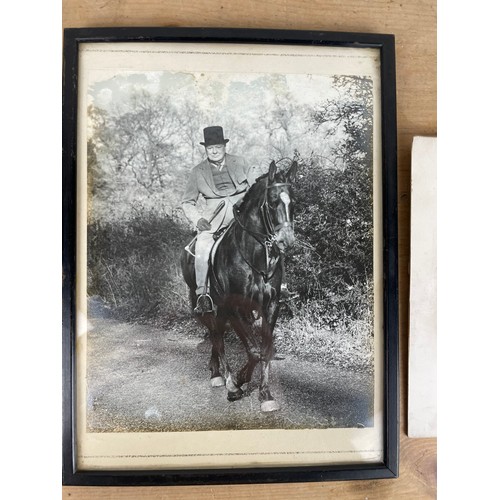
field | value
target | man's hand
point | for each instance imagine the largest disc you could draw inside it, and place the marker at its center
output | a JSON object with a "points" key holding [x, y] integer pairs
{"points": [[203, 225]]}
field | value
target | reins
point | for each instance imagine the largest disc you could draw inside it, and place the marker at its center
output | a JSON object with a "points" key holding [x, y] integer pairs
{"points": [[267, 239]]}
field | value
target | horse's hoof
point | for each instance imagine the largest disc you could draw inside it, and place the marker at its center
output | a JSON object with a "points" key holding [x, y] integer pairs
{"points": [[217, 382], [271, 405], [235, 395], [231, 386]]}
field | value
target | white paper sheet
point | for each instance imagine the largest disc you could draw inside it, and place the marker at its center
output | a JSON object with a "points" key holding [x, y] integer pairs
{"points": [[422, 376]]}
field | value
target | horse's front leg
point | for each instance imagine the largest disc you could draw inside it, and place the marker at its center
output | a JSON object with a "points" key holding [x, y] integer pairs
{"points": [[268, 403]]}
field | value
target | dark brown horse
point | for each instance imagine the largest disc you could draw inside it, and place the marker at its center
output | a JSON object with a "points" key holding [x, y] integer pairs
{"points": [[245, 281]]}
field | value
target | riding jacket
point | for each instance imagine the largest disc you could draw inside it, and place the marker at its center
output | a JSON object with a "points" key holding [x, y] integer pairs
{"points": [[201, 182]]}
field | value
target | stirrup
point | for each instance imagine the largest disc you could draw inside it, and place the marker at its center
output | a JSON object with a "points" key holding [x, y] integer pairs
{"points": [[204, 304], [285, 294]]}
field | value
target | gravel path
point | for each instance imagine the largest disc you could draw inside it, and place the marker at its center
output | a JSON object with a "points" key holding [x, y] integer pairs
{"points": [[140, 378]]}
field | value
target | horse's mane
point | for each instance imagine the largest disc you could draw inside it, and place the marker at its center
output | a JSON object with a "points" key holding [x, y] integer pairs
{"points": [[255, 191]]}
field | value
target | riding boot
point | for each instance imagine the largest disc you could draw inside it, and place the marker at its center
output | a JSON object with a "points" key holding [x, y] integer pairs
{"points": [[286, 294]]}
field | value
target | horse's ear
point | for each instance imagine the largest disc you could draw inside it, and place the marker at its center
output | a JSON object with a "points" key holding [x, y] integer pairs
{"points": [[292, 171], [272, 172]]}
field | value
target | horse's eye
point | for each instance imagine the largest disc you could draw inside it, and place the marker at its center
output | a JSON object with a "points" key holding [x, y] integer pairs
{"points": [[273, 198]]}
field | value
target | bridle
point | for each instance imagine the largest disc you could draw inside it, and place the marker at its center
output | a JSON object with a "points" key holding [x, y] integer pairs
{"points": [[268, 239], [266, 215]]}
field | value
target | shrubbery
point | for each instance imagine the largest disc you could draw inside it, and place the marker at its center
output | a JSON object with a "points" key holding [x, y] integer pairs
{"points": [[333, 260], [133, 266], [331, 269]]}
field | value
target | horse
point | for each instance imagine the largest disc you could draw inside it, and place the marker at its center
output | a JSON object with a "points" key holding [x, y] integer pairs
{"points": [[245, 281]]}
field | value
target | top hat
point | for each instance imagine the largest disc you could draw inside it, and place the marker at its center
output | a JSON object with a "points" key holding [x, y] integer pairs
{"points": [[213, 136]]}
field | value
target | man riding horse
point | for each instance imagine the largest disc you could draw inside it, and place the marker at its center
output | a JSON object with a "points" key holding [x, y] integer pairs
{"points": [[219, 177]]}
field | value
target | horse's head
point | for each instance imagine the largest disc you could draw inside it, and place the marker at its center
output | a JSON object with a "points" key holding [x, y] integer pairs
{"points": [[277, 209]]}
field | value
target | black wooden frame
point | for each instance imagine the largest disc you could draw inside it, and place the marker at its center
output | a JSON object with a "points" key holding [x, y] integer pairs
{"points": [[389, 467]]}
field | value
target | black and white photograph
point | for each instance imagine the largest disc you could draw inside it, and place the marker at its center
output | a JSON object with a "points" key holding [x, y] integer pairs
{"points": [[229, 251]]}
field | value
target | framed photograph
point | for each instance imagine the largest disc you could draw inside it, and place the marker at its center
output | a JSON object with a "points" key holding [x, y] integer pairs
{"points": [[230, 270]]}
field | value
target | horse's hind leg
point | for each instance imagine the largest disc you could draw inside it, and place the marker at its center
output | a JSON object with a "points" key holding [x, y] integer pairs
{"points": [[244, 330], [218, 354], [245, 374]]}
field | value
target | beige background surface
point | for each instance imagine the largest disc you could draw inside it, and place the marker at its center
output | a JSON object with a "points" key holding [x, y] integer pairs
{"points": [[414, 25]]}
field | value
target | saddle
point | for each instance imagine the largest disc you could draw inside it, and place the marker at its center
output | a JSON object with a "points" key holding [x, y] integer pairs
{"points": [[220, 232], [218, 237]]}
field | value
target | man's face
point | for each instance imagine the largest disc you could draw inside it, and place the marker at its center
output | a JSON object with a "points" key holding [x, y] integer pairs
{"points": [[216, 152]]}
